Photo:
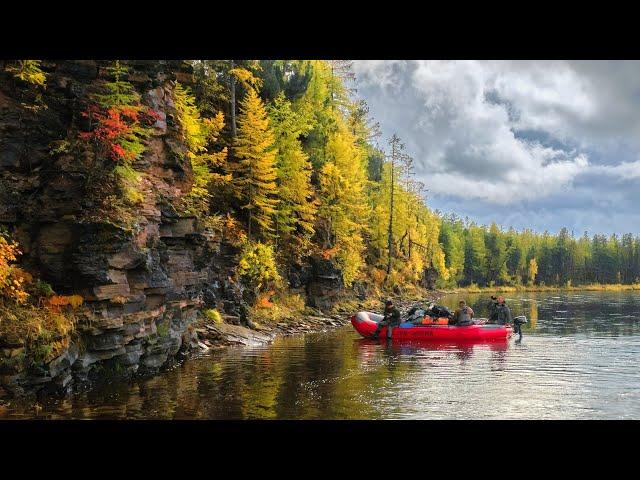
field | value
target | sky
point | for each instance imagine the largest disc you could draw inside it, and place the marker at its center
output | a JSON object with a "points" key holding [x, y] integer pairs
{"points": [[527, 144]]}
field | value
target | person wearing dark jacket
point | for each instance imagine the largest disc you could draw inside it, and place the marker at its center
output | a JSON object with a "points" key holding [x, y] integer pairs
{"points": [[391, 319], [463, 315], [499, 312]]}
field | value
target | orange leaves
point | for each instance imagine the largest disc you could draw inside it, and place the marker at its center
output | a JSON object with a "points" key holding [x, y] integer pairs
{"points": [[12, 278], [264, 301], [56, 302], [233, 231], [378, 276], [9, 251], [329, 253], [130, 113]]}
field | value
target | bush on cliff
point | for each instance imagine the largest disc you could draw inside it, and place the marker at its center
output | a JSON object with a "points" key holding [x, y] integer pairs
{"points": [[257, 269], [119, 127], [31, 315], [28, 71]]}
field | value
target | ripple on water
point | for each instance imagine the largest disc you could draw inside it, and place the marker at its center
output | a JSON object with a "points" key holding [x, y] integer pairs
{"points": [[578, 359]]}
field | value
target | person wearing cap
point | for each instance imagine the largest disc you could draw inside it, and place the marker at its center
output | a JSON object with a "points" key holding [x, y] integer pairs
{"points": [[391, 319], [500, 312], [491, 306], [463, 315]]}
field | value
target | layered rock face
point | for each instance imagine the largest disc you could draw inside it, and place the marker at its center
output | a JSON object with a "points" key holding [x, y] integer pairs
{"points": [[142, 285]]}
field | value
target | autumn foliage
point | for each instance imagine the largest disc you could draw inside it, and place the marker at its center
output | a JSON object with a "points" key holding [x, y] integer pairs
{"points": [[57, 302], [30, 312], [119, 125], [28, 71], [12, 278], [119, 130]]}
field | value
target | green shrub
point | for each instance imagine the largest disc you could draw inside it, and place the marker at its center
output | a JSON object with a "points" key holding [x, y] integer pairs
{"points": [[163, 330], [213, 315]]}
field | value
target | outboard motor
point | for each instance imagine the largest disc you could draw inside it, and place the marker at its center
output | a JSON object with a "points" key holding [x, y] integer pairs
{"points": [[517, 325]]}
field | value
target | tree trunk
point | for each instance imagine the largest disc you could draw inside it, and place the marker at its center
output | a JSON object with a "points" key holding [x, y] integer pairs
{"points": [[232, 88], [390, 234]]}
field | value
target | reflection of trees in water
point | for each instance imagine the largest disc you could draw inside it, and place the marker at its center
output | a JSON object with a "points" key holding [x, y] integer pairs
{"points": [[533, 315], [335, 375], [260, 386]]}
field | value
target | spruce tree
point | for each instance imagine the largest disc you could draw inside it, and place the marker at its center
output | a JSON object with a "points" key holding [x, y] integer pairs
{"points": [[254, 172], [297, 207]]}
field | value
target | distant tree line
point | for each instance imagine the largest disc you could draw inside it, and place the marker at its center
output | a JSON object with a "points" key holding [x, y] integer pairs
{"points": [[487, 256]]}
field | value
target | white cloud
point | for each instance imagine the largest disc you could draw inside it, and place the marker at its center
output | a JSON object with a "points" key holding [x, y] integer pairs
{"points": [[625, 171], [378, 72], [464, 120]]}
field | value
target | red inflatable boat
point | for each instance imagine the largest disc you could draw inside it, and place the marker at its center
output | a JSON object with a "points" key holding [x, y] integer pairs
{"points": [[366, 323]]}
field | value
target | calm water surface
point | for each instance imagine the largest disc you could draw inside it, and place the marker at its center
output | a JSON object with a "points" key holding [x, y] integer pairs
{"points": [[578, 359]]}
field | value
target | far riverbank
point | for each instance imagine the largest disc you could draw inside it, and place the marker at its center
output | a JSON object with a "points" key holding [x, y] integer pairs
{"points": [[594, 287]]}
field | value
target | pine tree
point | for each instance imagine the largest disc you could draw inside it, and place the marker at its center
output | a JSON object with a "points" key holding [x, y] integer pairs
{"points": [[117, 92], [28, 71], [475, 256], [396, 148], [297, 206], [344, 210], [452, 240], [254, 172], [496, 255], [197, 134]]}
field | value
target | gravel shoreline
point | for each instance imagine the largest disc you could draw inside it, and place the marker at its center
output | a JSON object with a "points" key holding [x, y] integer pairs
{"points": [[212, 335]]}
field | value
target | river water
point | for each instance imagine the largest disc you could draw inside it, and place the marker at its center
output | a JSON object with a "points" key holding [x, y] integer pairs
{"points": [[578, 360]]}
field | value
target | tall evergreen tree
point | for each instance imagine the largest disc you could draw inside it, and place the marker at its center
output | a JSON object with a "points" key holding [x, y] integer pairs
{"points": [[297, 207], [344, 211], [254, 170]]}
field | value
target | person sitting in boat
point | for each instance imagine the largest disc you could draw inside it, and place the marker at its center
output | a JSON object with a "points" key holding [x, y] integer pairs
{"points": [[463, 315], [391, 319], [499, 311]]}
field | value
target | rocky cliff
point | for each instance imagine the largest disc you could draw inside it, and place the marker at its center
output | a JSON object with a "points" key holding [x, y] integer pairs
{"points": [[145, 272], [142, 283]]}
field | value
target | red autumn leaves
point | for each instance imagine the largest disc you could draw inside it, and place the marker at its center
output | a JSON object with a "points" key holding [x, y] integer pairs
{"points": [[119, 129]]}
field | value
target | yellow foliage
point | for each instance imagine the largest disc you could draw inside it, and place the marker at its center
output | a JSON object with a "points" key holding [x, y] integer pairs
{"points": [[277, 308], [378, 275], [45, 332], [344, 211], [254, 172], [213, 315], [28, 71], [75, 301], [257, 267], [234, 232], [533, 270], [246, 77], [197, 133], [56, 302], [12, 279]]}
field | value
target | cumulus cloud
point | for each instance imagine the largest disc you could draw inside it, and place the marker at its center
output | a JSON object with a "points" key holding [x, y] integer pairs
{"points": [[509, 133]]}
